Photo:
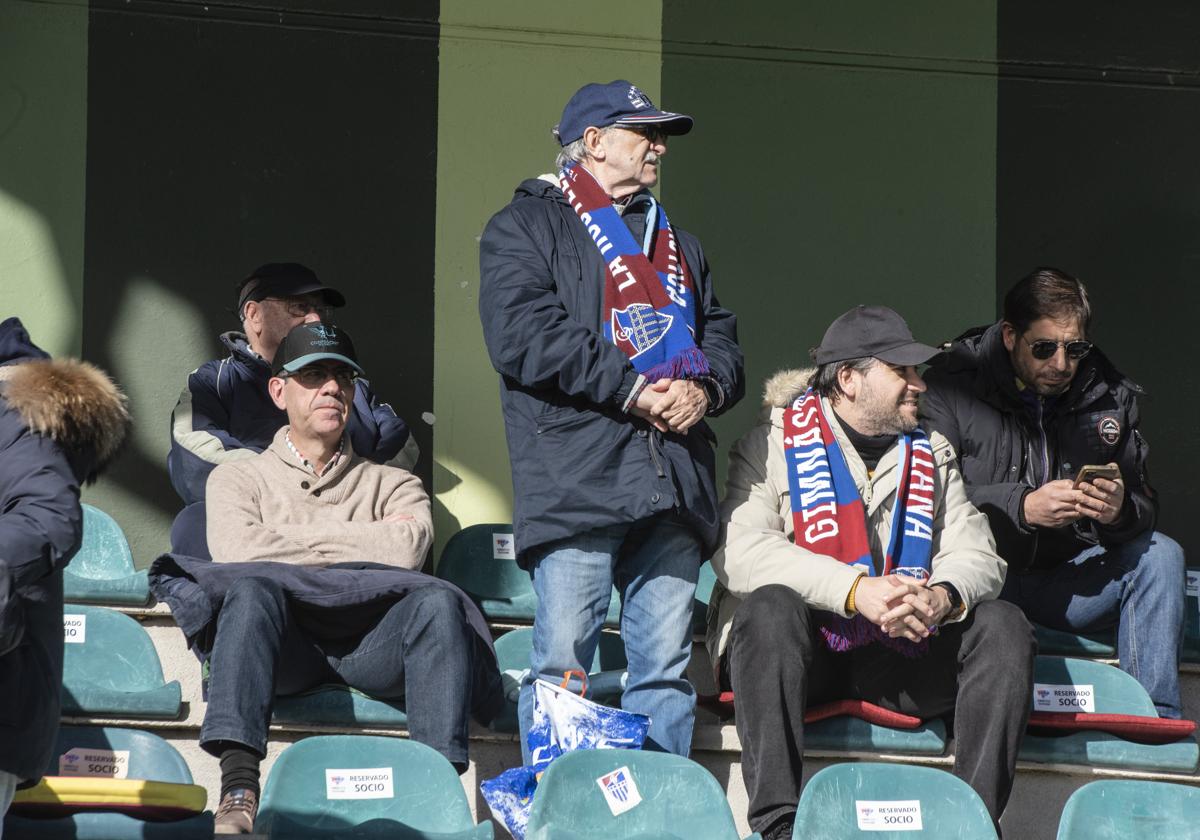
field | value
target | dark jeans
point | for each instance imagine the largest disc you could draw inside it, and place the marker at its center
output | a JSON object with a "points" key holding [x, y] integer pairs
{"points": [[979, 669], [421, 650]]}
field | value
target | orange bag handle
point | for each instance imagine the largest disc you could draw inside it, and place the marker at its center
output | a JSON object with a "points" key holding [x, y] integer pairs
{"points": [[566, 680]]}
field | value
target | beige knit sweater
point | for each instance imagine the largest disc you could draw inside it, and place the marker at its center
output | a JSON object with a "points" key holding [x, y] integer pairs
{"points": [[272, 507]]}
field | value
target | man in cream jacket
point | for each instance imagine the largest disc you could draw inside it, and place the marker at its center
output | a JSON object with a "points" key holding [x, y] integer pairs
{"points": [[819, 598]]}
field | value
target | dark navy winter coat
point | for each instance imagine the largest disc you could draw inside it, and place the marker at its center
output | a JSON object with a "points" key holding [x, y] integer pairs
{"points": [[579, 462], [60, 422], [1009, 446], [225, 406]]}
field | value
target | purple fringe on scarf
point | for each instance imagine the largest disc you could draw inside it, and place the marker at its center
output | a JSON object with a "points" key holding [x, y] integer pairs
{"points": [[844, 634], [686, 364]]}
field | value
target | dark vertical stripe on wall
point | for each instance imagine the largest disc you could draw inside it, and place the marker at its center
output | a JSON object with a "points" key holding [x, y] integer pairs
{"points": [[222, 136], [1097, 174]]}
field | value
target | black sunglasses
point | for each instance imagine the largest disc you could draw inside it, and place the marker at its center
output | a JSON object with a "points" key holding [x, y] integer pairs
{"points": [[1044, 348]]}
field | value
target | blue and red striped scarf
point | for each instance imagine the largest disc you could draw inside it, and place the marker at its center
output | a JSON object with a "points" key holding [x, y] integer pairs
{"points": [[649, 300], [829, 517]]}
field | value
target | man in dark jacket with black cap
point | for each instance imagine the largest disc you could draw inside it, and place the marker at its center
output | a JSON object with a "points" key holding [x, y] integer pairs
{"points": [[225, 413], [1047, 432], [601, 319], [61, 422]]}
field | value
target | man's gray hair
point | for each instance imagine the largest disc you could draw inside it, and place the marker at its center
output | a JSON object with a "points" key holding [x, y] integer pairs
{"points": [[575, 151], [825, 379]]}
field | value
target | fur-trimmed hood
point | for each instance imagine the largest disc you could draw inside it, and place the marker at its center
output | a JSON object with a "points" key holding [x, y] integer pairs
{"points": [[785, 386], [74, 403]]}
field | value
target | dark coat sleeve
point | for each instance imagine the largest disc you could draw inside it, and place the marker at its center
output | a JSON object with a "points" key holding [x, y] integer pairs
{"points": [[379, 434], [719, 339], [41, 521], [530, 336], [1000, 501], [1140, 510]]}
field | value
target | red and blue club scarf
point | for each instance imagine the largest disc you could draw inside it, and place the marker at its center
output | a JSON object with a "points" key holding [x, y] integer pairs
{"points": [[829, 517], [649, 297]]}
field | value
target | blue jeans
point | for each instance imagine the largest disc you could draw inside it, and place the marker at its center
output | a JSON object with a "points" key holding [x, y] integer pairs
{"points": [[8, 787], [1136, 587], [421, 649], [654, 564]]}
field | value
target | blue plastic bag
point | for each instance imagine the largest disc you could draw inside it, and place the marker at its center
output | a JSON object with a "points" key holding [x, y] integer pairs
{"points": [[562, 721]]}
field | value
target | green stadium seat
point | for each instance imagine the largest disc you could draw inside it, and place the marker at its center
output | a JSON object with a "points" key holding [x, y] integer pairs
{"points": [[362, 786], [512, 655], [852, 734], [704, 588], [1122, 809], [861, 800], [102, 572], [337, 705], [480, 560], [1061, 643], [1191, 623], [111, 669], [89, 751], [594, 795], [1114, 693]]}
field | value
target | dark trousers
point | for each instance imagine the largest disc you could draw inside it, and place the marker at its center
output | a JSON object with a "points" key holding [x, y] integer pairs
{"points": [[189, 535], [979, 669], [421, 650]]}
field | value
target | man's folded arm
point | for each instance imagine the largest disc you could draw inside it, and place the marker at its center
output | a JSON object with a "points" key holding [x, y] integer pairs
{"points": [[236, 532]]}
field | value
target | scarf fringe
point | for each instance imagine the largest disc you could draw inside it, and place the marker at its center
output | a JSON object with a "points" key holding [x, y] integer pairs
{"points": [[842, 635], [687, 364]]}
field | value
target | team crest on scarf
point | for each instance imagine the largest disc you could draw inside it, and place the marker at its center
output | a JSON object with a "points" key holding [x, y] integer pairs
{"points": [[649, 300], [828, 515]]}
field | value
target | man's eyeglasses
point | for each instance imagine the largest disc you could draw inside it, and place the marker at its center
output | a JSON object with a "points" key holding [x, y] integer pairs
{"points": [[652, 133], [300, 308], [314, 376], [1044, 348]]}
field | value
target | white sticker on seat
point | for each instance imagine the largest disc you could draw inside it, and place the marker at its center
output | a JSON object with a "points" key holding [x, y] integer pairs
{"points": [[888, 814], [620, 790], [1048, 697], [85, 761], [504, 547], [359, 783], [74, 629], [1193, 584]]}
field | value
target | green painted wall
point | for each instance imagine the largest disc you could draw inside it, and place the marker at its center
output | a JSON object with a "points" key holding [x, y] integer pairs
{"points": [[843, 153], [43, 140], [506, 71]]}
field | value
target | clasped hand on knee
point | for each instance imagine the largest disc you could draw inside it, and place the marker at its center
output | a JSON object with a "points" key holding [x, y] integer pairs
{"points": [[901, 606]]}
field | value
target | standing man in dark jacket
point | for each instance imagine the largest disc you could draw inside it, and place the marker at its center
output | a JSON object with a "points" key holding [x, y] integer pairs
{"points": [[601, 319], [225, 413], [60, 424], [1027, 403]]}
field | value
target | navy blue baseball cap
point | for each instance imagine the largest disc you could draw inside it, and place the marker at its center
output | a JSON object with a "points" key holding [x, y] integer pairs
{"points": [[619, 103]]}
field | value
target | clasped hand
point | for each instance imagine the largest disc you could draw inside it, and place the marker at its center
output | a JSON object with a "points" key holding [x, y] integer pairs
{"points": [[671, 405], [902, 607]]}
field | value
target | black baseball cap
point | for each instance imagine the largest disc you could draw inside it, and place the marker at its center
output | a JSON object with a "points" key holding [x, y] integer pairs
{"points": [[313, 342], [875, 331], [285, 280], [619, 103]]}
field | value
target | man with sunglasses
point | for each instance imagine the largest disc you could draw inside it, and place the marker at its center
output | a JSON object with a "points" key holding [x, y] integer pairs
{"points": [[1027, 403], [315, 581], [601, 319], [225, 413]]}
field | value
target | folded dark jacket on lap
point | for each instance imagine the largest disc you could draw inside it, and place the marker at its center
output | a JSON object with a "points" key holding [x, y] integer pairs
{"points": [[333, 604]]}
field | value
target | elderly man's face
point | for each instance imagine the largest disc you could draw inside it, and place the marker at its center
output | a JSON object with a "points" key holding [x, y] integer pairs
{"points": [[317, 398], [270, 319], [632, 156]]}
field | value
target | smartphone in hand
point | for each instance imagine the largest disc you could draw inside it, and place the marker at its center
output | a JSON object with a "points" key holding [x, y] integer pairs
{"points": [[1089, 472]]}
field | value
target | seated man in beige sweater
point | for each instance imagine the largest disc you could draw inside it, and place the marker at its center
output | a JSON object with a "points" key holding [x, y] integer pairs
{"points": [[309, 500]]}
